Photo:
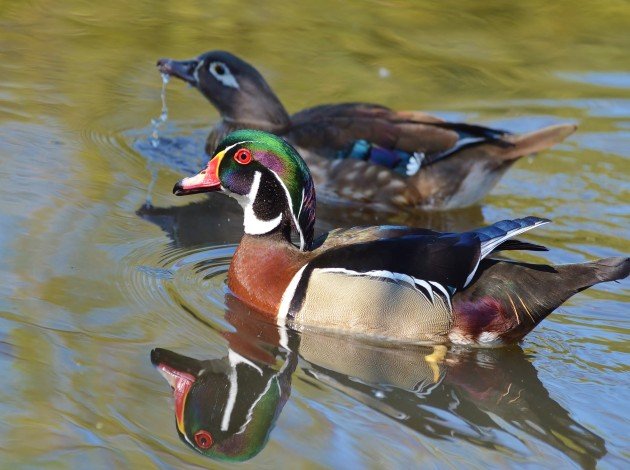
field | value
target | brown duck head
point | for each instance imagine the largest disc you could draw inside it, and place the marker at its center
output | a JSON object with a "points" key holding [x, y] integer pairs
{"points": [[233, 86]]}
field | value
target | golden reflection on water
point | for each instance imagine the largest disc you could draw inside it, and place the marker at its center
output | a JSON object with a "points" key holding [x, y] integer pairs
{"points": [[89, 283]]}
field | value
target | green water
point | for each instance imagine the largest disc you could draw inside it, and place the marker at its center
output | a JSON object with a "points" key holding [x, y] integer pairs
{"points": [[91, 279]]}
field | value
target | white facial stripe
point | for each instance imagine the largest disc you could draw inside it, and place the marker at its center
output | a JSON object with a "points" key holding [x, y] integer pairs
{"points": [[231, 401], [287, 297], [196, 71], [234, 359], [253, 225], [250, 411], [290, 202], [301, 205], [226, 77], [297, 223], [227, 149]]}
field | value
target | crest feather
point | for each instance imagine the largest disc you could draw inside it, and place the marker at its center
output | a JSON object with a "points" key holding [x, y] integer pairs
{"points": [[287, 164]]}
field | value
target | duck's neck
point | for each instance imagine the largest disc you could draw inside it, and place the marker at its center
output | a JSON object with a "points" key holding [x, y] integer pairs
{"points": [[256, 108], [262, 268]]}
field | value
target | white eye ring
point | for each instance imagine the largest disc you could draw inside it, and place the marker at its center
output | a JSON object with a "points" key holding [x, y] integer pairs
{"points": [[222, 73]]}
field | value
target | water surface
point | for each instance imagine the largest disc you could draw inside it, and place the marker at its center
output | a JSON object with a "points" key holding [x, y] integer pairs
{"points": [[92, 278]]}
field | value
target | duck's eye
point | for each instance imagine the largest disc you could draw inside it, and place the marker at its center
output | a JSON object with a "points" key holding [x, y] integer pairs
{"points": [[203, 439], [222, 73], [243, 156]]}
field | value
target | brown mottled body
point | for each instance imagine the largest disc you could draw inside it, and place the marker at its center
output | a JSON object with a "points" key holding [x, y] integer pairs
{"points": [[460, 162], [457, 181]]}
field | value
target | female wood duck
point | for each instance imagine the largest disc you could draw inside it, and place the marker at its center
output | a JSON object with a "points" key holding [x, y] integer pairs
{"points": [[365, 153], [393, 282]]}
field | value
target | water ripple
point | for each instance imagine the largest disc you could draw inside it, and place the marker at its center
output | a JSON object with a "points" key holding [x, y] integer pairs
{"points": [[175, 280]]}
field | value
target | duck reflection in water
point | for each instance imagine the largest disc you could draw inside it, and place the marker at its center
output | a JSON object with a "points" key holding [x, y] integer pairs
{"points": [[226, 408]]}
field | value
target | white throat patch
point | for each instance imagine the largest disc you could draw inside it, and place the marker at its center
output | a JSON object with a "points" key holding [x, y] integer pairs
{"points": [[253, 225]]}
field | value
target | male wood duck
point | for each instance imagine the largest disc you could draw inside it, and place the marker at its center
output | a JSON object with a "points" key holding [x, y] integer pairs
{"points": [[365, 153], [393, 282]]}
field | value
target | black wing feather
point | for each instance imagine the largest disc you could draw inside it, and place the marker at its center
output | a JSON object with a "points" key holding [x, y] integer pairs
{"points": [[519, 245], [447, 258]]}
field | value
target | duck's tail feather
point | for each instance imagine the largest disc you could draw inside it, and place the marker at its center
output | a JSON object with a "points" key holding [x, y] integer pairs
{"points": [[607, 269], [509, 299], [495, 235], [541, 139], [509, 146]]}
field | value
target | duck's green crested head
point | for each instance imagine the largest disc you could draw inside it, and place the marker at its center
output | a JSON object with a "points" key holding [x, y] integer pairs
{"points": [[267, 176]]}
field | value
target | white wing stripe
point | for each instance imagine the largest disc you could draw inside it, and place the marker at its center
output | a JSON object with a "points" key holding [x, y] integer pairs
{"points": [[443, 291], [426, 286], [430, 286], [488, 246]]}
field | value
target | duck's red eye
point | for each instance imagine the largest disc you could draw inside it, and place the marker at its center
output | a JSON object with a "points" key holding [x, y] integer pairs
{"points": [[243, 156], [203, 439]]}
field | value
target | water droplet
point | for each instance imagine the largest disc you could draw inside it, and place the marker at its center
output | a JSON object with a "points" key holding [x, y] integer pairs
{"points": [[156, 123], [154, 138]]}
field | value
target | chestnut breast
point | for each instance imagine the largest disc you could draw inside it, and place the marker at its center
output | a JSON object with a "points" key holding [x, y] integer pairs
{"points": [[261, 270]]}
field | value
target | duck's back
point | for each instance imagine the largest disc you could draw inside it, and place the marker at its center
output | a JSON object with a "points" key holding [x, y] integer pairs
{"points": [[332, 127]]}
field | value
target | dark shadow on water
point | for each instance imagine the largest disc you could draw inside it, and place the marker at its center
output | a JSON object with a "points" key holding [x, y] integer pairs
{"points": [[214, 220], [485, 397], [218, 219], [180, 152]]}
